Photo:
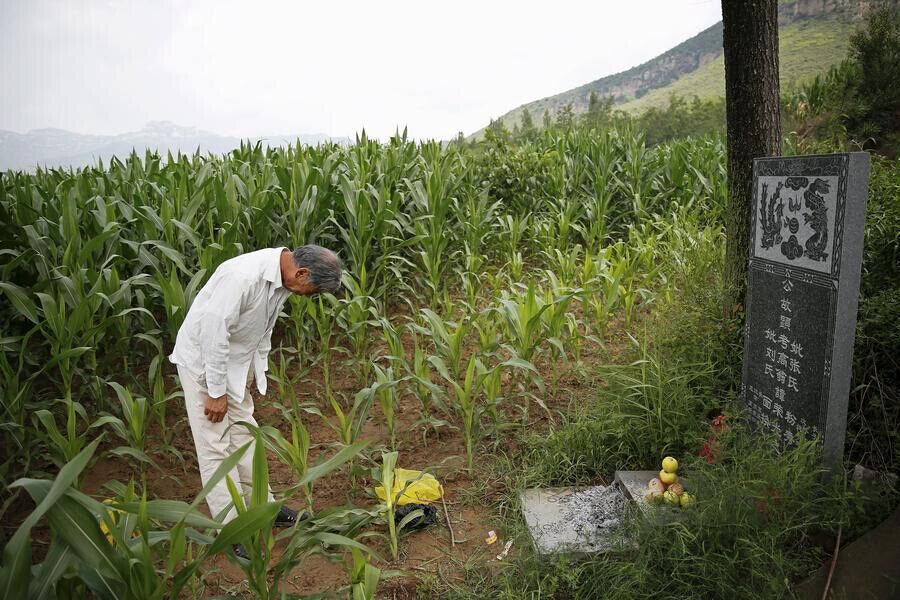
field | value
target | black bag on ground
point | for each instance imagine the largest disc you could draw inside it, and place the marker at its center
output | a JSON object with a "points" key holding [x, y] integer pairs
{"points": [[428, 516]]}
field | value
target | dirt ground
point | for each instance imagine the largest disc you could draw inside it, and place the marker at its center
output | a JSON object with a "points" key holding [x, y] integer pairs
{"points": [[470, 497]]}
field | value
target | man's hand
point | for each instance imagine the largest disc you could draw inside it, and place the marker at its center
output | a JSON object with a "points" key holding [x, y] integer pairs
{"points": [[216, 408]]}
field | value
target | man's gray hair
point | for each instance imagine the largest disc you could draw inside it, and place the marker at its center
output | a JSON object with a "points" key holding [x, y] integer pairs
{"points": [[325, 267]]}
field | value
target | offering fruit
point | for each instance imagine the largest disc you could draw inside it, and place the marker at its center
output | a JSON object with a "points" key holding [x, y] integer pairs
{"points": [[668, 478], [654, 497], [670, 465], [671, 498], [656, 486], [686, 500], [677, 489]]}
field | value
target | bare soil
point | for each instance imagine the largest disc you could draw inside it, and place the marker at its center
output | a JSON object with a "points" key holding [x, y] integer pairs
{"points": [[470, 497]]}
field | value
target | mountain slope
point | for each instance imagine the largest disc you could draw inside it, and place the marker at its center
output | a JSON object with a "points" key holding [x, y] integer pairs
{"points": [[806, 48], [61, 148], [813, 36]]}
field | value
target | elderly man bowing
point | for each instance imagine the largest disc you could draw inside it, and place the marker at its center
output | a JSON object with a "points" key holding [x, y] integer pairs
{"points": [[223, 345]]}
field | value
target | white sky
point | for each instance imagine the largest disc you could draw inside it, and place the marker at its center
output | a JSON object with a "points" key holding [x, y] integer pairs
{"points": [[278, 67]]}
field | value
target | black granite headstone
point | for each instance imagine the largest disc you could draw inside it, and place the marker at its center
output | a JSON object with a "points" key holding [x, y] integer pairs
{"points": [[802, 294]]}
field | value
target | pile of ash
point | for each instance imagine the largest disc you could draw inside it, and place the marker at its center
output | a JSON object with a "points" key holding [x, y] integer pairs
{"points": [[595, 508]]}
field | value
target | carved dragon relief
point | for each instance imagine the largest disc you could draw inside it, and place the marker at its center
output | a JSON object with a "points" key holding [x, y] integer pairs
{"points": [[771, 215], [817, 219], [773, 220]]}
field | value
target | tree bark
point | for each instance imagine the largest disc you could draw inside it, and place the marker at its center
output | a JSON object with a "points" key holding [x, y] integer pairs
{"points": [[750, 43]]}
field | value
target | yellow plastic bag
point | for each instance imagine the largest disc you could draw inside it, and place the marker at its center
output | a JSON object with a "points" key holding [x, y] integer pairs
{"points": [[423, 489]]}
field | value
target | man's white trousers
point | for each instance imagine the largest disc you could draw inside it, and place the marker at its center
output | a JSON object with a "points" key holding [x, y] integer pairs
{"points": [[214, 445]]}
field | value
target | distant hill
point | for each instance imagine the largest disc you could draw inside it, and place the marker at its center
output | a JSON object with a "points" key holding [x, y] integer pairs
{"points": [[61, 148], [813, 36]]}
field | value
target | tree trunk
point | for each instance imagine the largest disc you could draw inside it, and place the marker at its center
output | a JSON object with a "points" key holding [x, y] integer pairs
{"points": [[753, 119]]}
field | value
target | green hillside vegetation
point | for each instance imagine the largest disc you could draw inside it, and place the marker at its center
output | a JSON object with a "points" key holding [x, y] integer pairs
{"points": [[806, 49]]}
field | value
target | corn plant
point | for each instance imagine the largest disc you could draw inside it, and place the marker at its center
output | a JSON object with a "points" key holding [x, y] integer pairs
{"points": [[17, 441], [321, 311], [347, 424], [522, 316], [253, 526], [287, 368], [421, 374], [385, 388], [294, 452], [448, 337], [364, 576], [431, 199], [466, 396], [394, 342], [159, 398], [384, 474], [489, 335], [512, 232], [124, 558], [369, 217], [131, 428], [356, 315]]}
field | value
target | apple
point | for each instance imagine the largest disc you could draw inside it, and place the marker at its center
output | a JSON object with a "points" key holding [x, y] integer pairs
{"points": [[677, 489], [656, 485], [671, 498], [654, 497], [686, 500], [670, 465], [668, 478]]}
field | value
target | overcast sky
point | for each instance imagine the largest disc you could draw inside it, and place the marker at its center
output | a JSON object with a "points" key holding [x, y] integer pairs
{"points": [[277, 67]]}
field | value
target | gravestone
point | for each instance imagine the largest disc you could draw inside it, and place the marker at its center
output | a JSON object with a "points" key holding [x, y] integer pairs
{"points": [[802, 294]]}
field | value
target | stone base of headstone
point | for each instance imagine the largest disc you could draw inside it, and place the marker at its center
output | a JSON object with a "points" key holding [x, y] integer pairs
{"points": [[867, 568], [588, 520], [575, 520]]}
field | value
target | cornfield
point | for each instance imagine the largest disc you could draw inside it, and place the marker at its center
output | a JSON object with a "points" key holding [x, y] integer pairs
{"points": [[496, 265]]}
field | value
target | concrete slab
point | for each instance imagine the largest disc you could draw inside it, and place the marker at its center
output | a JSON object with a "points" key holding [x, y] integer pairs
{"points": [[867, 568], [573, 520], [634, 486]]}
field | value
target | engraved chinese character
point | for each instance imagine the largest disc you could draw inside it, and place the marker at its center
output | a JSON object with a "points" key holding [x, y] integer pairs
{"points": [[797, 349], [785, 305], [790, 418], [792, 383], [778, 410], [803, 424], [777, 427], [784, 342], [788, 436], [787, 285], [779, 394], [795, 366], [770, 354], [784, 322], [767, 402], [782, 359], [769, 370], [770, 334], [781, 376]]}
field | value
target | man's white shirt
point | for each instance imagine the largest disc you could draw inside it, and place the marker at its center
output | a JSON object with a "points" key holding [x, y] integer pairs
{"points": [[228, 329]]}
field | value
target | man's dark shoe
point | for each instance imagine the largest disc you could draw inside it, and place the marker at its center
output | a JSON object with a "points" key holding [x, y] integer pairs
{"points": [[288, 518], [241, 552]]}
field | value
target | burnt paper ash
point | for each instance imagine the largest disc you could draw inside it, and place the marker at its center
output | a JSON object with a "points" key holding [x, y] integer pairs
{"points": [[595, 509]]}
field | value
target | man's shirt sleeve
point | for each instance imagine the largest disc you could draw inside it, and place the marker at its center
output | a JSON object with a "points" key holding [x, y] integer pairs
{"points": [[216, 324]]}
